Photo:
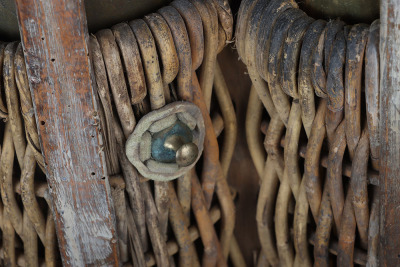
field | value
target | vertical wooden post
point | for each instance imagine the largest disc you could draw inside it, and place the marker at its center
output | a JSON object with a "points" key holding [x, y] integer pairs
{"points": [[55, 40], [389, 254]]}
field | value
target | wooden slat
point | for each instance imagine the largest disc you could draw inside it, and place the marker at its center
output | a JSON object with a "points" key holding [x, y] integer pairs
{"points": [[55, 40], [389, 252]]}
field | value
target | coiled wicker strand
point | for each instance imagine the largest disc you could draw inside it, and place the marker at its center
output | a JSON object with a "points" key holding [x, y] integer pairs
{"points": [[322, 129]]}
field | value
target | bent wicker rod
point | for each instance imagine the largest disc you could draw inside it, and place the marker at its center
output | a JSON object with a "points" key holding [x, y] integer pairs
{"points": [[308, 75]]}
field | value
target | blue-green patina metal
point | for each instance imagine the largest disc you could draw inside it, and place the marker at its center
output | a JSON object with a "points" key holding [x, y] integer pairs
{"points": [[162, 153], [166, 143]]}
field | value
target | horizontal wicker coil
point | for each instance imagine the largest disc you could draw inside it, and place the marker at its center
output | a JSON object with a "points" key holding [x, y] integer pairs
{"points": [[319, 83]]}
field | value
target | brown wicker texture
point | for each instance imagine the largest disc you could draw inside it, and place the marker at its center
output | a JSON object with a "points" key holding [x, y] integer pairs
{"points": [[314, 144], [139, 66]]}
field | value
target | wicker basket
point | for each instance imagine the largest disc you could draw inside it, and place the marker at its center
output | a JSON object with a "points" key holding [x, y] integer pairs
{"points": [[319, 82], [140, 67]]}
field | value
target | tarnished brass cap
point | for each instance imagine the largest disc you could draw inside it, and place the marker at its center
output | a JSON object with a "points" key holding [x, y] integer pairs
{"points": [[186, 154]]}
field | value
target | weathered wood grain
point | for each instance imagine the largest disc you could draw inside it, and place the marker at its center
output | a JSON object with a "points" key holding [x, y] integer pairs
{"points": [[372, 90], [389, 133], [55, 41]]}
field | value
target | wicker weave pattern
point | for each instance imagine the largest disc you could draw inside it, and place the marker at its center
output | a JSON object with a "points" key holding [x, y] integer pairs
{"points": [[291, 58], [139, 66]]}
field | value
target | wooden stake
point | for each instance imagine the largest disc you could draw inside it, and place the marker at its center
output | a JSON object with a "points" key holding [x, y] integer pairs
{"points": [[55, 41], [389, 251]]}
